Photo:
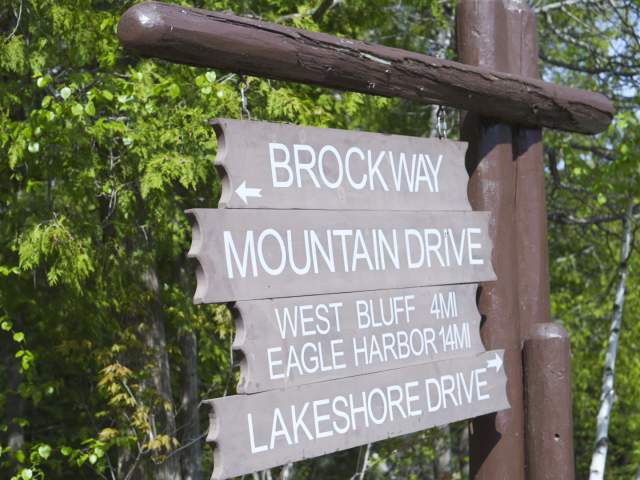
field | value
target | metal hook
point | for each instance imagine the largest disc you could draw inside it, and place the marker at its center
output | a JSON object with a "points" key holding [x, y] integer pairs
{"points": [[244, 108], [441, 123]]}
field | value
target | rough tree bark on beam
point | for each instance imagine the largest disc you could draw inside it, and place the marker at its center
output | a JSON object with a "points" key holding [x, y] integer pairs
{"points": [[242, 45], [607, 397]]}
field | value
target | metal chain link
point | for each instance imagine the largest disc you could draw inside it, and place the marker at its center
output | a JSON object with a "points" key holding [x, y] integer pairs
{"points": [[441, 123], [244, 106]]}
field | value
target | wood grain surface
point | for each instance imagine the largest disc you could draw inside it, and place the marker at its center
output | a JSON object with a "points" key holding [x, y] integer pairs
{"points": [[255, 432], [248, 46], [252, 254], [271, 165], [297, 340]]}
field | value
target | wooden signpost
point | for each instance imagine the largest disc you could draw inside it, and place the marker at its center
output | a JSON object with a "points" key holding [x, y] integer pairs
{"points": [[355, 322], [355, 257]]}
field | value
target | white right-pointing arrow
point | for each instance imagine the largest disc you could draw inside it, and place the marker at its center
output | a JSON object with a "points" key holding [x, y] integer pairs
{"points": [[495, 362], [245, 192]]}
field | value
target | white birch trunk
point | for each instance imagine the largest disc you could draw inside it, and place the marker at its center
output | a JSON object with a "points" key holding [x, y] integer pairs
{"points": [[599, 458], [287, 472], [443, 467], [365, 462]]}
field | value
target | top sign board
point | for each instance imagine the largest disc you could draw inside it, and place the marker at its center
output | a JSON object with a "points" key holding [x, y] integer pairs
{"points": [[269, 165]]}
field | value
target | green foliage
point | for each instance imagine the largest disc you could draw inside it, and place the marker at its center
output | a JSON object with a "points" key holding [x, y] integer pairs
{"points": [[590, 182], [101, 152]]}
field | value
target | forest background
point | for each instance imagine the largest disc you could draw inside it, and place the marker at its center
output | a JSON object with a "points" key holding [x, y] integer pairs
{"points": [[103, 357]]}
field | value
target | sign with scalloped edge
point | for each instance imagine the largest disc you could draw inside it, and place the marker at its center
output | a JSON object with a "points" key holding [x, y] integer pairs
{"points": [[253, 254], [264, 430], [297, 340], [271, 165]]}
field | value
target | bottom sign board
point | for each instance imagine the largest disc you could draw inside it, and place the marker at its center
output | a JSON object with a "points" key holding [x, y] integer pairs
{"points": [[264, 430]]}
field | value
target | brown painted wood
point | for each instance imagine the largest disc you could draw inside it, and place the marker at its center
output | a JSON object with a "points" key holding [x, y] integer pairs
{"points": [[300, 340], [271, 165], [531, 213], [547, 362], [252, 254], [547, 351], [212, 39], [490, 35], [255, 432]]}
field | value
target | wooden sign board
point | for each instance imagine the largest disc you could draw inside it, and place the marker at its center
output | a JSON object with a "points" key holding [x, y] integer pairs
{"points": [[270, 165], [255, 432], [352, 258], [300, 340], [252, 254]]}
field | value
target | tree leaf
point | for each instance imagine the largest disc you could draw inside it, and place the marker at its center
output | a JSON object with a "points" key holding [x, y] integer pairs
{"points": [[65, 93], [44, 451]]}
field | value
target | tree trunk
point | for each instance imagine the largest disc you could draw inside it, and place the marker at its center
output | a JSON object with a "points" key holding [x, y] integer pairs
{"points": [[463, 452], [287, 472], [607, 396], [14, 408], [191, 455], [155, 340], [153, 334], [443, 470]]}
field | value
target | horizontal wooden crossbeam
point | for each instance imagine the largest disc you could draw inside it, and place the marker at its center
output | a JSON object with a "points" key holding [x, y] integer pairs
{"points": [[242, 45]]}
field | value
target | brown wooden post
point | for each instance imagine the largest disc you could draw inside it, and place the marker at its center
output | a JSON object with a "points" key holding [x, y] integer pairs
{"points": [[531, 215], [547, 362], [488, 36], [548, 446], [549, 425]]}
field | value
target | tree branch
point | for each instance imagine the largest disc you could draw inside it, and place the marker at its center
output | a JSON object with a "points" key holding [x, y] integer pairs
{"points": [[15, 29], [590, 70], [554, 6], [565, 218], [323, 8]]}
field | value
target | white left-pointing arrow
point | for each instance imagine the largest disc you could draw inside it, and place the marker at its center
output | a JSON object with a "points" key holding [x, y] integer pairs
{"points": [[495, 362], [245, 192]]}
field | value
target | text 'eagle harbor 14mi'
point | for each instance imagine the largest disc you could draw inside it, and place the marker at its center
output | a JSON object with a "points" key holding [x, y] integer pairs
{"points": [[353, 259]]}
